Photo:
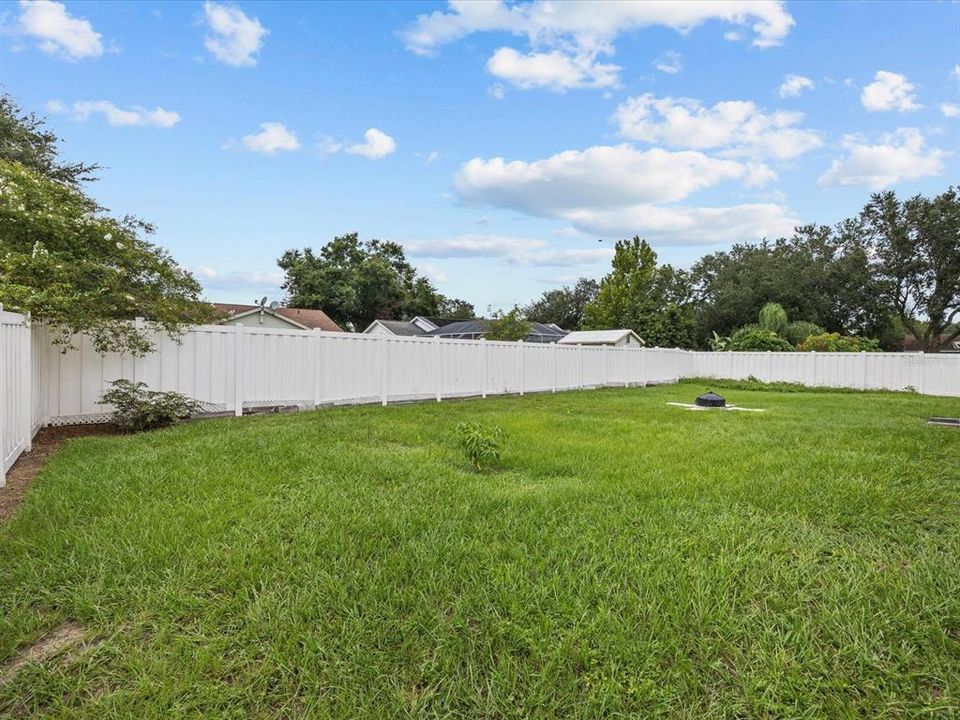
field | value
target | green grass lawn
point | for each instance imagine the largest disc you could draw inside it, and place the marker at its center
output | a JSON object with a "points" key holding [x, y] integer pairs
{"points": [[626, 559]]}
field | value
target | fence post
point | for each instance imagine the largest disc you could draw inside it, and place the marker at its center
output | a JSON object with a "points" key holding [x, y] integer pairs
{"points": [[27, 398], [606, 369], [769, 366], [439, 354], [580, 354], [237, 365], [553, 352], [316, 345], [813, 354], [520, 362], [863, 357], [486, 367], [384, 371], [920, 375], [3, 391]]}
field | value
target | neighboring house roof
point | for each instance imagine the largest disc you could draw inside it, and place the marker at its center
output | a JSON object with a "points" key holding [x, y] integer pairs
{"points": [[545, 332], [306, 318], [598, 337], [436, 321], [405, 328], [469, 329], [460, 329]]}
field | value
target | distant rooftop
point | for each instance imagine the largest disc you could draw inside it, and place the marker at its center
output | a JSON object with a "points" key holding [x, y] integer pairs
{"points": [[308, 317]]}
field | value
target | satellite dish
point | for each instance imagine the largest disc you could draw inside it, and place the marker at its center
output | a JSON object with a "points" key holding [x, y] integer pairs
{"points": [[263, 301], [274, 305]]}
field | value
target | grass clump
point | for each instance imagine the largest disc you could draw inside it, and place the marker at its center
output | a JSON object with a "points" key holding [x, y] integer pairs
{"points": [[481, 444]]}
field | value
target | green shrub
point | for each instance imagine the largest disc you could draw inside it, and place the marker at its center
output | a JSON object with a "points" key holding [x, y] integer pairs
{"points": [[137, 407], [835, 342], [719, 343], [479, 443], [753, 339], [798, 331], [773, 318]]}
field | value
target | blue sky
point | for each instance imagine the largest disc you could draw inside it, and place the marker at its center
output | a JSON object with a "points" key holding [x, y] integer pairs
{"points": [[507, 146]]}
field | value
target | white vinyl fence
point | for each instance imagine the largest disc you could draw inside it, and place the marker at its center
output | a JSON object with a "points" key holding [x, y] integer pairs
{"points": [[230, 368], [16, 383]]}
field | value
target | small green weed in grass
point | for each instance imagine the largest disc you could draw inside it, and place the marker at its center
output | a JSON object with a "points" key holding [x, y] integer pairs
{"points": [[481, 444]]}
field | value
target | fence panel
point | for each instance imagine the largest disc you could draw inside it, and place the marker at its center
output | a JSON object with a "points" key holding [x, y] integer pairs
{"points": [[229, 368], [16, 389]]}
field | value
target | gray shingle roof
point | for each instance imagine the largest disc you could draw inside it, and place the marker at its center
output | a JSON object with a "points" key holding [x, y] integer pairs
{"points": [[401, 327]]}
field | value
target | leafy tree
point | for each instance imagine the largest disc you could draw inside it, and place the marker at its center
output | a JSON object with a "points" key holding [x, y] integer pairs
{"points": [[637, 294], [81, 271], [799, 330], [821, 274], [772, 323], [25, 140], [508, 326], [356, 282], [773, 318], [835, 342], [755, 338], [566, 306], [455, 309], [916, 243]]}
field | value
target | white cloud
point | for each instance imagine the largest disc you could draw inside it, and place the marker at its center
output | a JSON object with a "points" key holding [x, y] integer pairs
{"points": [[115, 116], [737, 126], [581, 23], [950, 110], [566, 38], [327, 145], [899, 156], [511, 250], [793, 85], [377, 144], [889, 91], [670, 62], [610, 176], [496, 91], [234, 38], [273, 137], [955, 73], [688, 225], [57, 31], [237, 279], [552, 70], [619, 190]]}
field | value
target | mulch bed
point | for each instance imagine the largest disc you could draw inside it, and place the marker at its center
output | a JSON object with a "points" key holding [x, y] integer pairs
{"points": [[28, 465]]}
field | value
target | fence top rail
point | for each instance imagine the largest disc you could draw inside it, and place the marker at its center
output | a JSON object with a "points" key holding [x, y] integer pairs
{"points": [[11, 318]]}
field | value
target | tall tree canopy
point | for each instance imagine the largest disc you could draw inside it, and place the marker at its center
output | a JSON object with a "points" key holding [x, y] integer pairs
{"points": [[638, 294], [455, 309], [64, 260], [356, 282], [510, 325], [565, 306], [822, 275], [25, 140], [916, 246]]}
